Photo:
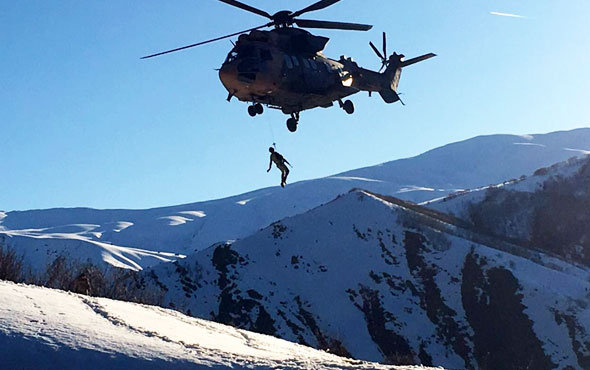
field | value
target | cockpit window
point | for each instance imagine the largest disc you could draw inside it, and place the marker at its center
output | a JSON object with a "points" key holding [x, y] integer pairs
{"points": [[233, 55], [242, 53], [305, 62]]}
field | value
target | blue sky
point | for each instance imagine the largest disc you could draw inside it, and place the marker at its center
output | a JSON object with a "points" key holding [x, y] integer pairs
{"points": [[85, 122]]}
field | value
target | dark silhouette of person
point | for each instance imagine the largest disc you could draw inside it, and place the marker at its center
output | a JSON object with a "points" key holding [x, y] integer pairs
{"points": [[281, 163]]}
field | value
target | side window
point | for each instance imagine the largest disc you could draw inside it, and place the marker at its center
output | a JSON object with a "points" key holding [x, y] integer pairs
{"points": [[305, 62], [288, 62], [313, 65]]}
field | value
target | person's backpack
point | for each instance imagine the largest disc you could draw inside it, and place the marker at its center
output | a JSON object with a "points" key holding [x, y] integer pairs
{"points": [[279, 157]]}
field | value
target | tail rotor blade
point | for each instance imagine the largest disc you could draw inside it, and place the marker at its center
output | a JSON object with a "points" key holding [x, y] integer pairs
{"points": [[376, 50], [384, 45]]}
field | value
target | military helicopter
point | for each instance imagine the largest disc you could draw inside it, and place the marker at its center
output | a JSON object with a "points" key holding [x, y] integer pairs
{"points": [[284, 68]]}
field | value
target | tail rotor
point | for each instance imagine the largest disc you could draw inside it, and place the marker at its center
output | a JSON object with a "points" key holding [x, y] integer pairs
{"points": [[385, 60], [383, 57]]}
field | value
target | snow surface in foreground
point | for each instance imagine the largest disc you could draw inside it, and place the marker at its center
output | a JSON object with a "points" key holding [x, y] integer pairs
{"points": [[43, 328]]}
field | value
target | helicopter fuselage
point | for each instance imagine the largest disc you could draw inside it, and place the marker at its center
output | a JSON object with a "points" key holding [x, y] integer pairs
{"points": [[260, 73], [284, 68]]}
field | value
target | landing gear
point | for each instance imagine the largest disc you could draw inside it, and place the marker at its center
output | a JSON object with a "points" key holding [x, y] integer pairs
{"points": [[348, 107], [258, 108], [251, 111], [293, 122], [255, 109]]}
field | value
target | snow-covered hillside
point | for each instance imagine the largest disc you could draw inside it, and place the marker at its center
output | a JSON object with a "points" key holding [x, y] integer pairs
{"points": [[42, 328], [382, 280], [140, 238], [549, 210]]}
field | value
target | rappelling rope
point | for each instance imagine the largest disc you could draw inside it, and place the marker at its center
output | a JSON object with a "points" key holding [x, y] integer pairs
{"points": [[272, 134], [274, 143]]}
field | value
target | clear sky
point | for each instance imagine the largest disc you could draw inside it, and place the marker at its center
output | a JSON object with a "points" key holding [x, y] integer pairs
{"points": [[85, 122]]}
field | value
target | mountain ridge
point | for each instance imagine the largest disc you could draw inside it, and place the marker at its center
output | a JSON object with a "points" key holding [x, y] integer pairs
{"points": [[136, 239], [367, 278]]}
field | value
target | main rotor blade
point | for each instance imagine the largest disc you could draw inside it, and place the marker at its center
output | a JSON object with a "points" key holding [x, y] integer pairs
{"points": [[204, 42], [384, 45], [307, 23], [317, 6], [248, 8], [376, 51]]}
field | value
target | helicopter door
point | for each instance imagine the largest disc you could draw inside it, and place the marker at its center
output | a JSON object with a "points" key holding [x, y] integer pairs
{"points": [[294, 75], [315, 80]]}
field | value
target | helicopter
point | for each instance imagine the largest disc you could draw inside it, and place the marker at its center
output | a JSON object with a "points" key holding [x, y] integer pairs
{"points": [[285, 69]]}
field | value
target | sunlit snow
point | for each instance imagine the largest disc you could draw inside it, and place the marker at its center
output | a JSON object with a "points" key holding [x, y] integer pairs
{"points": [[41, 327], [122, 225], [176, 220], [199, 214], [531, 144], [581, 151]]}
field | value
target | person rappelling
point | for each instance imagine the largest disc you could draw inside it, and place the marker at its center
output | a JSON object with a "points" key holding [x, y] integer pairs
{"points": [[281, 163]]}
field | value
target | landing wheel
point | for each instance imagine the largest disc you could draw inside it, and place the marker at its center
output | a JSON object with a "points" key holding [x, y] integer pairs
{"points": [[348, 107], [258, 108], [292, 124], [252, 110]]}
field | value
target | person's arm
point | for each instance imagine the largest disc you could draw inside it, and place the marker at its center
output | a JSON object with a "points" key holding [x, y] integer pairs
{"points": [[287, 162], [269, 164]]}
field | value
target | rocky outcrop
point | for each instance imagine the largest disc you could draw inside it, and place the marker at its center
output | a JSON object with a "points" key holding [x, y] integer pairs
{"points": [[379, 279]]}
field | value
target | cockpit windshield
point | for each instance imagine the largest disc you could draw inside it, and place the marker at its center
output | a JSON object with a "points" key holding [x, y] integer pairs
{"points": [[248, 52]]}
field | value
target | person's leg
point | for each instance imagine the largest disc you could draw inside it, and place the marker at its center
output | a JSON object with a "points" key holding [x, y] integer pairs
{"points": [[284, 172]]}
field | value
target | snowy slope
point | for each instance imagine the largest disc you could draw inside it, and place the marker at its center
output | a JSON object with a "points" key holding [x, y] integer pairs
{"points": [[140, 238], [42, 328], [381, 280], [549, 210], [457, 203]]}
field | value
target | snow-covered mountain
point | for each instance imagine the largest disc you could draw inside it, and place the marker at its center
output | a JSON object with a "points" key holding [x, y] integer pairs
{"points": [[136, 239], [549, 211], [41, 328], [380, 279]]}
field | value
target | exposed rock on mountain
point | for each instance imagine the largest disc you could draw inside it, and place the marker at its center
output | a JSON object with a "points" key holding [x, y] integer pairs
{"points": [[380, 279], [549, 211]]}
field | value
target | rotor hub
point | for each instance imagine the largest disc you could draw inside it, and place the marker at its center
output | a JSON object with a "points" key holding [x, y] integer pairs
{"points": [[283, 18]]}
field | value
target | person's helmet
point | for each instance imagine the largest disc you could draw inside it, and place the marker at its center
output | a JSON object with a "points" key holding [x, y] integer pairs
{"points": [[271, 149]]}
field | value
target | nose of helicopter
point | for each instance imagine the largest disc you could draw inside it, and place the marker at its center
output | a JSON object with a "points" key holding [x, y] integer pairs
{"points": [[227, 77]]}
